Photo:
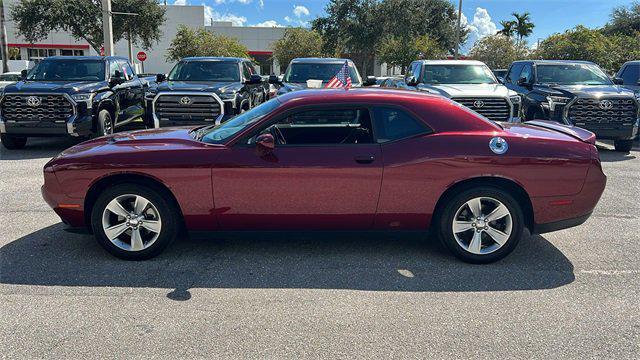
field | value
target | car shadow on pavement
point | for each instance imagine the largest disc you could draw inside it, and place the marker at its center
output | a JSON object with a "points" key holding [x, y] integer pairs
{"points": [[608, 154], [357, 261], [39, 148]]}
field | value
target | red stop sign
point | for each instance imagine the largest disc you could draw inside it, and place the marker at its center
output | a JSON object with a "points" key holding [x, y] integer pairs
{"points": [[142, 56]]}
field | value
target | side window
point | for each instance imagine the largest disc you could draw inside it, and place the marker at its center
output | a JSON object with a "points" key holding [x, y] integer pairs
{"points": [[246, 73], [514, 72], [113, 66], [126, 70], [631, 74], [527, 73], [393, 124], [324, 127]]}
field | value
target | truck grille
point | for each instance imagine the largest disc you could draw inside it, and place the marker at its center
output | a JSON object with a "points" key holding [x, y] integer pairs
{"points": [[496, 109], [187, 108], [603, 111], [33, 107]]}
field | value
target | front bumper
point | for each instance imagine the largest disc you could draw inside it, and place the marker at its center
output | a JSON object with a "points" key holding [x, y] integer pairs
{"points": [[76, 126]]}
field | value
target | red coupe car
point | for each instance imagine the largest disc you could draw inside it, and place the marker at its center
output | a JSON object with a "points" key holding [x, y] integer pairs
{"points": [[359, 159]]}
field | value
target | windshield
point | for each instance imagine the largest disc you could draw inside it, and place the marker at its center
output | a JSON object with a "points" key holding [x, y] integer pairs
{"points": [[225, 131], [301, 72], [205, 71], [457, 74], [572, 74], [9, 77], [68, 70]]}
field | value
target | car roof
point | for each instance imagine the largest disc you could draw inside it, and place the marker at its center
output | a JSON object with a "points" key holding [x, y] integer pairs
{"points": [[632, 62], [555, 62], [365, 95], [215, 58], [60, 57], [451, 62], [320, 60]]}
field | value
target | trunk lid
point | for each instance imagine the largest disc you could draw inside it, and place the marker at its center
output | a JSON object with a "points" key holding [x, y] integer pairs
{"points": [[573, 131]]}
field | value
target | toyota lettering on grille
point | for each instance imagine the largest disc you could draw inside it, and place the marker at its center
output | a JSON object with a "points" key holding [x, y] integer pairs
{"points": [[185, 100], [33, 101], [606, 104], [478, 104]]}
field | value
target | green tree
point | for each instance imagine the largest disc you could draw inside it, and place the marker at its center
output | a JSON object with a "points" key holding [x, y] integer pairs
{"points": [[522, 25], [498, 51], [401, 51], [508, 28], [297, 42], [35, 19], [624, 20], [189, 42]]}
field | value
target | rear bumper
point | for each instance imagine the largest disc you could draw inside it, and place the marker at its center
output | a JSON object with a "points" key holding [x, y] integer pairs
{"points": [[559, 225]]}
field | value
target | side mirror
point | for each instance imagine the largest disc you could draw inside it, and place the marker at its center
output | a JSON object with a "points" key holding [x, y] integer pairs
{"points": [[369, 81], [23, 74], [265, 143], [116, 79], [273, 79], [617, 81], [411, 81], [161, 78], [500, 79], [523, 82], [254, 79]]}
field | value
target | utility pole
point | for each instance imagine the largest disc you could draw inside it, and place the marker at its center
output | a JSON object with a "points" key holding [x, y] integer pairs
{"points": [[107, 27], [455, 56], [4, 50]]}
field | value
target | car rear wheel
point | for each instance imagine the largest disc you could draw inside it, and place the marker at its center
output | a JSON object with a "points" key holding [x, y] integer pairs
{"points": [[481, 225], [623, 145], [134, 222], [13, 142]]}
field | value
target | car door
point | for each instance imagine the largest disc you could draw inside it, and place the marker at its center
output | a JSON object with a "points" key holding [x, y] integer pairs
{"points": [[314, 181], [630, 76], [132, 94]]}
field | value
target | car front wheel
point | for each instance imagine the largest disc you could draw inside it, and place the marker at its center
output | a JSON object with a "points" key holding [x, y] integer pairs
{"points": [[623, 145], [481, 225], [134, 222], [13, 142]]}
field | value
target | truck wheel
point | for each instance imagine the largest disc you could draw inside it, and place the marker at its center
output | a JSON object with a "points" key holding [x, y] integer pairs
{"points": [[623, 145], [105, 123], [11, 142], [481, 225]]}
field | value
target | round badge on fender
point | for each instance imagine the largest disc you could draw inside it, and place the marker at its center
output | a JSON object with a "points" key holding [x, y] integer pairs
{"points": [[498, 145]]}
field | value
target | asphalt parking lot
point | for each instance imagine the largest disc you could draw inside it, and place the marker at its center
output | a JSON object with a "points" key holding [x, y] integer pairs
{"points": [[573, 293]]}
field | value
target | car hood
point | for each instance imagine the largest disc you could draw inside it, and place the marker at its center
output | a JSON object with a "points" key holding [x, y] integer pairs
{"points": [[56, 87], [217, 87], [460, 90], [584, 91]]}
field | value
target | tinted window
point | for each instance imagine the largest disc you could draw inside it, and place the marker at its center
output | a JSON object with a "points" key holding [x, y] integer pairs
{"points": [[126, 69], [68, 70], [225, 131], [457, 74], [301, 72], [113, 66], [514, 73], [393, 124], [631, 75], [571, 74], [415, 70], [246, 72], [205, 71], [527, 73]]}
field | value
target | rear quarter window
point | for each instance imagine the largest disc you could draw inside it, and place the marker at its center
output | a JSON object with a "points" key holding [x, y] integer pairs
{"points": [[394, 124]]}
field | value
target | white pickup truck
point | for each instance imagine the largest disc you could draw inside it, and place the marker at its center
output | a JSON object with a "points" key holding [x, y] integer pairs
{"points": [[468, 82]]}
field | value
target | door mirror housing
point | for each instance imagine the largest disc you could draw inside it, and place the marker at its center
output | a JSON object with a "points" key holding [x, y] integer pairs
{"points": [[23, 74], [524, 82], [265, 143], [116, 79], [273, 79], [161, 78], [369, 81], [617, 81], [254, 79], [411, 81], [500, 79]]}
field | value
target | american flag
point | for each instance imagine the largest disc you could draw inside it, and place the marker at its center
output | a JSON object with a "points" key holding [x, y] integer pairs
{"points": [[342, 78]]}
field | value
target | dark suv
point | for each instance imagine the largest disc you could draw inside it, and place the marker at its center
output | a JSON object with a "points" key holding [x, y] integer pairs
{"points": [[576, 93], [70, 96], [199, 90]]}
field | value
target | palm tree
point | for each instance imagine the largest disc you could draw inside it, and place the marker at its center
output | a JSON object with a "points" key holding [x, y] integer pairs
{"points": [[523, 25], [508, 28]]}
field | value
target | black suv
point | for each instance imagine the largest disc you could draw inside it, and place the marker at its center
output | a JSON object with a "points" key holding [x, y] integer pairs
{"points": [[576, 93], [204, 89], [70, 96]]}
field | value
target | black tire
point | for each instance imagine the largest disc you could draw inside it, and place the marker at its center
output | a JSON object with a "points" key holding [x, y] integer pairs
{"points": [[168, 215], [105, 123], [446, 217], [623, 145], [536, 115], [11, 142]]}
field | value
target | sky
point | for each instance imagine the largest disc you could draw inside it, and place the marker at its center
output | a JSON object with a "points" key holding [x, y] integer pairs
{"points": [[482, 16]]}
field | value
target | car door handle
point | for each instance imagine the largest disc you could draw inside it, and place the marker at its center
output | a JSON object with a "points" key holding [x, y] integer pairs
{"points": [[367, 159]]}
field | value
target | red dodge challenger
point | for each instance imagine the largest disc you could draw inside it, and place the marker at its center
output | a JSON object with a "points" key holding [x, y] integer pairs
{"points": [[360, 159]]}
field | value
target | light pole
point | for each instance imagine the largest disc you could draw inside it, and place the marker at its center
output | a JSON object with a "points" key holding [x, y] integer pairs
{"points": [[455, 56], [107, 27], [4, 51]]}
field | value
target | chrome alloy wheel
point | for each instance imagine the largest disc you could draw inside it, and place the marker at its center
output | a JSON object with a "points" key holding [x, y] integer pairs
{"points": [[131, 222], [482, 225]]}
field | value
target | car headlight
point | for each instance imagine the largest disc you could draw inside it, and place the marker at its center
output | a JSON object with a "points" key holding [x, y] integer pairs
{"points": [[515, 99], [85, 98], [556, 100], [227, 94]]}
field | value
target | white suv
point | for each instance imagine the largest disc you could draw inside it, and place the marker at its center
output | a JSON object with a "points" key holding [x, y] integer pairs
{"points": [[468, 82]]}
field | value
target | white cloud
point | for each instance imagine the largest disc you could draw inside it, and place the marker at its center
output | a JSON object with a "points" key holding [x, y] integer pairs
{"points": [[300, 11], [180, 2], [481, 26], [268, 23], [210, 14]]}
